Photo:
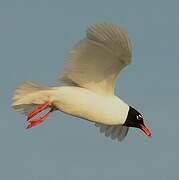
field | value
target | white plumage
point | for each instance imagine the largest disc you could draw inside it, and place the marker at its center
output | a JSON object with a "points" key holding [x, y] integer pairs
{"points": [[95, 61], [90, 74]]}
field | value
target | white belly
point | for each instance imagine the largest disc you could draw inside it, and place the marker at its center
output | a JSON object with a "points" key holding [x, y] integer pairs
{"points": [[89, 105]]}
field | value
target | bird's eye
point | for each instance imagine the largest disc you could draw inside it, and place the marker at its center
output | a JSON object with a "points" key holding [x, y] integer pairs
{"points": [[139, 117]]}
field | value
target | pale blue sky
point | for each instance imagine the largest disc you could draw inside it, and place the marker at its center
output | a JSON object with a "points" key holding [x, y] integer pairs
{"points": [[35, 37]]}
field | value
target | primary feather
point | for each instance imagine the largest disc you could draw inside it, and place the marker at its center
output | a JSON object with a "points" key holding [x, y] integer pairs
{"points": [[118, 132], [95, 61]]}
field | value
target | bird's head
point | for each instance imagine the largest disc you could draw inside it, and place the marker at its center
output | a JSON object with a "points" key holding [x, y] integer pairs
{"points": [[135, 119]]}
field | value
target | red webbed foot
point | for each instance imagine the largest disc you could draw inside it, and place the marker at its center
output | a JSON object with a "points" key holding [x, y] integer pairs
{"points": [[38, 110], [34, 122]]}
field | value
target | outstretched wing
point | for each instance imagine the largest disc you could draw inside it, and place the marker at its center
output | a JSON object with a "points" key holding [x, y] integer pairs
{"points": [[118, 132], [95, 61]]}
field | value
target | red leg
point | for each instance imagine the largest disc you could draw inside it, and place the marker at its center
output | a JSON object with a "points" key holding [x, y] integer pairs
{"points": [[38, 110], [35, 122]]}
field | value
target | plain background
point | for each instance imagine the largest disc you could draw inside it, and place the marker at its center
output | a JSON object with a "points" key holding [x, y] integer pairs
{"points": [[35, 37]]}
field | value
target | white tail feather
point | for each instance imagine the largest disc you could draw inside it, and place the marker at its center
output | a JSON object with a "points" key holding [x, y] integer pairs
{"points": [[28, 96]]}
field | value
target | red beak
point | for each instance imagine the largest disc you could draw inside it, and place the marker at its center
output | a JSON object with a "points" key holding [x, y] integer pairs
{"points": [[145, 130]]}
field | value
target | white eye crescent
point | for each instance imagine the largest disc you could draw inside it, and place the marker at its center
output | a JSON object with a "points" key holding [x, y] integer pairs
{"points": [[139, 117]]}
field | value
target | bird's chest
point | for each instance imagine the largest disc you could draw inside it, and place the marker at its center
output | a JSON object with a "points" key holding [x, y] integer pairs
{"points": [[92, 107]]}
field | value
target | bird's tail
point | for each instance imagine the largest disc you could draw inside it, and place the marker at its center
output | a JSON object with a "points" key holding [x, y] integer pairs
{"points": [[28, 96]]}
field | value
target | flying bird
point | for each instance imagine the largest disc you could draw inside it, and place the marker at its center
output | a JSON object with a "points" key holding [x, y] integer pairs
{"points": [[89, 77]]}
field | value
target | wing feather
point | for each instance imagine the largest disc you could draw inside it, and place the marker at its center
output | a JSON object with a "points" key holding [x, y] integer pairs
{"points": [[118, 132], [95, 61]]}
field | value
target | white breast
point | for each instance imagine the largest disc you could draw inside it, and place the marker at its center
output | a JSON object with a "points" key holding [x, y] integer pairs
{"points": [[89, 105]]}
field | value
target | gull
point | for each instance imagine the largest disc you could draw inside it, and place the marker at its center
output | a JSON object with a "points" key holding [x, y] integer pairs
{"points": [[88, 90]]}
